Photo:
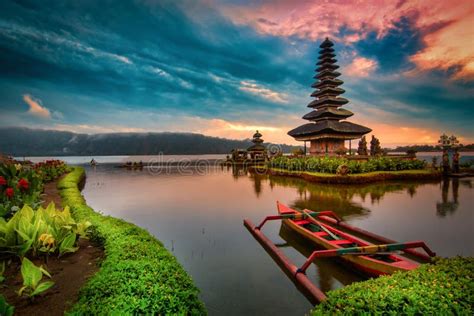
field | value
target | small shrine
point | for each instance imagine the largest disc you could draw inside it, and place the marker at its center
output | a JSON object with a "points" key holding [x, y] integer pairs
{"points": [[328, 129], [257, 151]]}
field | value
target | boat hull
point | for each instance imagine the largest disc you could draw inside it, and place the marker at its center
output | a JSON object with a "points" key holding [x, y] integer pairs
{"points": [[364, 263]]}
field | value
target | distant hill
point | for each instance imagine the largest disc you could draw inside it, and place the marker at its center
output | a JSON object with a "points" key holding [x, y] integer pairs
{"points": [[19, 141]]}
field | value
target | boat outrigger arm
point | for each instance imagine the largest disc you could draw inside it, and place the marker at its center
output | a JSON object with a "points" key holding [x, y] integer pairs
{"points": [[298, 275], [366, 250]]}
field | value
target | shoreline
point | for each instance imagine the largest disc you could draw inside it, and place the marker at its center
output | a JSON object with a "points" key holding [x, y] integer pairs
{"points": [[138, 274], [359, 178]]}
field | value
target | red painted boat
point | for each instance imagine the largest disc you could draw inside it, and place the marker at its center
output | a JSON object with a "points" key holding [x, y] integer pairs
{"points": [[366, 257]]}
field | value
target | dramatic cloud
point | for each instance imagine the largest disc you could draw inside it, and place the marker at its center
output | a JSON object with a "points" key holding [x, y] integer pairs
{"points": [[230, 67], [265, 93], [361, 67], [36, 107], [447, 26]]}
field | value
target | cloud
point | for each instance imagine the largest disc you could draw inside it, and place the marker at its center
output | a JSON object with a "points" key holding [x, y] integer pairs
{"points": [[361, 67], [253, 88], [450, 47], [446, 26], [36, 108]]}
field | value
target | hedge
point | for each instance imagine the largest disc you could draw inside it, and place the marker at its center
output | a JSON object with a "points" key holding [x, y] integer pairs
{"points": [[443, 288], [138, 275], [331, 164]]}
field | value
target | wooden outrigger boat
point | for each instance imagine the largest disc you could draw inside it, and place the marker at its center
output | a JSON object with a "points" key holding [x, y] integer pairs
{"points": [[373, 260], [324, 230]]}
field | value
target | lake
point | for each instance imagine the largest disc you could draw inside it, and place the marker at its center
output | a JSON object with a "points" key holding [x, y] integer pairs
{"points": [[197, 209]]}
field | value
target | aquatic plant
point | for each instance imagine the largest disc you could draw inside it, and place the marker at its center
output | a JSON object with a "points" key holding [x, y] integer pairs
{"points": [[138, 275]]}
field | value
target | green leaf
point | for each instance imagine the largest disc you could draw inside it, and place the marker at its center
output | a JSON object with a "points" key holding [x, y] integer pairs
{"points": [[43, 286], [5, 308], [44, 271], [67, 245], [31, 274]]}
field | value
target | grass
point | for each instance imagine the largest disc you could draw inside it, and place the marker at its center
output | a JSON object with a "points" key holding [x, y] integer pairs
{"points": [[443, 288], [138, 275]]}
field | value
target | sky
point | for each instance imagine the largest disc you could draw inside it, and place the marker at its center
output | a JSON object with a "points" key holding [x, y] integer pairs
{"points": [[226, 68]]}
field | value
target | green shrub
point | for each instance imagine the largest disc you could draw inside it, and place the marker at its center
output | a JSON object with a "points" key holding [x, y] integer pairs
{"points": [[40, 231], [330, 164], [445, 288], [138, 274]]}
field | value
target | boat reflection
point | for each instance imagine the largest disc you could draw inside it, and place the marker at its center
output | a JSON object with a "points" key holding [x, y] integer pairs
{"points": [[329, 274]]}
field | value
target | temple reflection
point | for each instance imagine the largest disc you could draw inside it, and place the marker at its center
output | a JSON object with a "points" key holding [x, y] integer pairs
{"points": [[448, 206]]}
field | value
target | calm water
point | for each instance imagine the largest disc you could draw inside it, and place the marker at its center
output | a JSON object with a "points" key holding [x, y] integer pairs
{"points": [[198, 216]]}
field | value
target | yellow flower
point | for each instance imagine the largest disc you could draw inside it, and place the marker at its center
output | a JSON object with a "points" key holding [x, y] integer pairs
{"points": [[46, 239], [18, 166]]}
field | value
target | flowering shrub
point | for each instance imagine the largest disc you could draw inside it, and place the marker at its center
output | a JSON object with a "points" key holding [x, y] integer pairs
{"points": [[41, 231], [50, 170], [331, 164], [18, 186]]}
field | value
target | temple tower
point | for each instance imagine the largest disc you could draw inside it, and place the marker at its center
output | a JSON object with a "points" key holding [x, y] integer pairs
{"points": [[326, 133], [257, 151]]}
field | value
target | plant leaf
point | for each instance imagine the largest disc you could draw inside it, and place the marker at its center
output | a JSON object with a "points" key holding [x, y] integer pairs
{"points": [[43, 286], [67, 245], [31, 274]]}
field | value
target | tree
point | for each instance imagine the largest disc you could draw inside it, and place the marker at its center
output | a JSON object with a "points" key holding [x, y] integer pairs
{"points": [[375, 149], [362, 150]]}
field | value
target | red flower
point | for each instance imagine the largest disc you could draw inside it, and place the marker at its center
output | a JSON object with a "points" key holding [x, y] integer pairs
{"points": [[9, 192], [3, 181], [23, 184]]}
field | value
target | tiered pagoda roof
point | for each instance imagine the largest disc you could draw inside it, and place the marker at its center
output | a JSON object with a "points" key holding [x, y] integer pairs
{"points": [[327, 112], [257, 143]]}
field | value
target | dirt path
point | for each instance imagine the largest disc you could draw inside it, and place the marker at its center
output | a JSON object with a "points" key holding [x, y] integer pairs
{"points": [[68, 273]]}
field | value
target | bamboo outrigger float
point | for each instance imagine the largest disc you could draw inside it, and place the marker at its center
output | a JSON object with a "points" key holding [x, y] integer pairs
{"points": [[322, 229]]}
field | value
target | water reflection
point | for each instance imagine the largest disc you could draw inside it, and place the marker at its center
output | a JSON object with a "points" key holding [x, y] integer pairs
{"points": [[199, 217], [448, 206], [328, 270]]}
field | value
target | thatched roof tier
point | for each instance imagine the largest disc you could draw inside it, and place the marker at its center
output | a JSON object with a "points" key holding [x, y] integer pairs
{"points": [[329, 129], [327, 74], [327, 55], [332, 82], [326, 43], [328, 101], [256, 147], [329, 113], [328, 91], [327, 66], [328, 60]]}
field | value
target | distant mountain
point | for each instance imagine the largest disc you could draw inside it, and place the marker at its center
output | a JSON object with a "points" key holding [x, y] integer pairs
{"points": [[17, 141]]}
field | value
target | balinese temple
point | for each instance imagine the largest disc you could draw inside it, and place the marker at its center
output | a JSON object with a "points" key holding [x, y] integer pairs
{"points": [[327, 130], [257, 151]]}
